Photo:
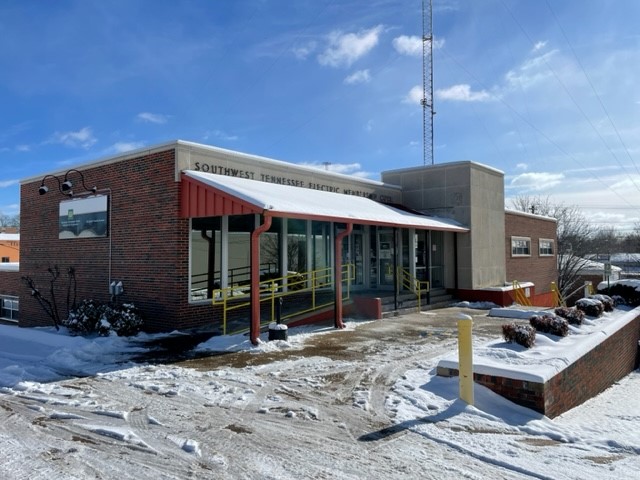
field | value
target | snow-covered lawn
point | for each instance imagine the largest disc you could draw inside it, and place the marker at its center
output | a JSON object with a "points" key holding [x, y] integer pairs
{"points": [[359, 403]]}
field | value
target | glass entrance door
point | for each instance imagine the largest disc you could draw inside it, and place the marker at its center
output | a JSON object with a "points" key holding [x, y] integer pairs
{"points": [[386, 258], [353, 254]]}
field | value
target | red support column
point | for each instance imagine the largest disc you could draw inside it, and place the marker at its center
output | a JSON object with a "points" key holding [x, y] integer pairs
{"points": [[338, 323], [254, 329]]}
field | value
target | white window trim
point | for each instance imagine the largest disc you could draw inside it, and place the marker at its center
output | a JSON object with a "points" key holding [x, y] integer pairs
{"points": [[526, 239], [553, 248]]}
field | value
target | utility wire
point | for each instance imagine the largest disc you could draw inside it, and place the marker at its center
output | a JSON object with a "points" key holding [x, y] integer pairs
{"points": [[540, 132], [566, 90], [604, 109]]}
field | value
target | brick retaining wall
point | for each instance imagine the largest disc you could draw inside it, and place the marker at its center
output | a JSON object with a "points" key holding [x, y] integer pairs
{"points": [[614, 358]]}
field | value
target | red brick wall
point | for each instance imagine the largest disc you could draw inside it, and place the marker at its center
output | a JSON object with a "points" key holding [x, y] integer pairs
{"points": [[541, 271], [148, 244], [10, 283], [610, 361]]}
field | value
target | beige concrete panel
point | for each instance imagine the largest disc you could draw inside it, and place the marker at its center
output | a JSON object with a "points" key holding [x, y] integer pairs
{"points": [[458, 176], [433, 178]]}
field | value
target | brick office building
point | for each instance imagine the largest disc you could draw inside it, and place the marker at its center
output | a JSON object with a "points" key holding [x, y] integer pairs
{"points": [[531, 253], [173, 222]]}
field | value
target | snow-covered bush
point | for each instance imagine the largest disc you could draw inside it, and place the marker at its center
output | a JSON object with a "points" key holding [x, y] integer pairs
{"points": [[550, 324], [571, 314], [590, 306], [92, 317], [628, 289], [607, 302], [524, 335]]}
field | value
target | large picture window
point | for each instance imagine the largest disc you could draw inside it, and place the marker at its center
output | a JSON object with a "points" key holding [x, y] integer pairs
{"points": [[520, 247]]}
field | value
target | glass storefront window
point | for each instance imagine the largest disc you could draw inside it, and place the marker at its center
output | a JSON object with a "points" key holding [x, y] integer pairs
{"points": [[206, 240]]}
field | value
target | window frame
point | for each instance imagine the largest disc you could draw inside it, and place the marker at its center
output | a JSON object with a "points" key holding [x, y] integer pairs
{"points": [[551, 247], [515, 239]]}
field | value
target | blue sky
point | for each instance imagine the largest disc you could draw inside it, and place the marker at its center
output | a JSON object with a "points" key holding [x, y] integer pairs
{"points": [[545, 91]]}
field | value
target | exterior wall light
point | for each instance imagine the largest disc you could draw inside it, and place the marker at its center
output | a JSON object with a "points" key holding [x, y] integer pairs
{"points": [[44, 189], [66, 186]]}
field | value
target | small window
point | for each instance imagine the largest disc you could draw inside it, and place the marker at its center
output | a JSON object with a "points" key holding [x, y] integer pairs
{"points": [[520, 246], [9, 308], [5, 259], [546, 247]]}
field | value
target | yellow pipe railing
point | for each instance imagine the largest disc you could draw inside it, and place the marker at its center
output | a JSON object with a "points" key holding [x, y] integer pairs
{"points": [[275, 289], [557, 296], [411, 283], [519, 294]]}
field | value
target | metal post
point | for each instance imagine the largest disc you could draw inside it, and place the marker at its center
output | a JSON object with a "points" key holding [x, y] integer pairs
{"points": [[465, 358]]}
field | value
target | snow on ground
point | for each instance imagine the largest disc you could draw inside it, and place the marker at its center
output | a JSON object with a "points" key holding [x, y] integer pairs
{"points": [[360, 403]]}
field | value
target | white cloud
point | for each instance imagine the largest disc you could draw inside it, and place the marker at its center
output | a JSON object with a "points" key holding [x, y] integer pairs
{"points": [[220, 135], [522, 166], [361, 76], [152, 117], [345, 48], [353, 169], [82, 138], [121, 147], [23, 148], [539, 46], [8, 183], [301, 52], [531, 72], [406, 45], [412, 45], [463, 93], [536, 181], [414, 96]]}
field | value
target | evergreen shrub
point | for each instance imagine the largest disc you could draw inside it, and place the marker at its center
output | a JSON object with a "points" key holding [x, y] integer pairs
{"points": [[550, 324], [91, 317], [571, 314], [524, 335]]}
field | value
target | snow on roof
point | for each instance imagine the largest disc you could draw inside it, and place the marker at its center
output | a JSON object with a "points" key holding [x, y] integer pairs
{"points": [[596, 268], [10, 267], [10, 237], [285, 200]]}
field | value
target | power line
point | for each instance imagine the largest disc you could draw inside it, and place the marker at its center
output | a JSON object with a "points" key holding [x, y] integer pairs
{"points": [[604, 109], [568, 92]]}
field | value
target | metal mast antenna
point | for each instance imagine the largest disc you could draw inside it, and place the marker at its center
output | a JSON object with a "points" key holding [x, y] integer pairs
{"points": [[427, 84]]}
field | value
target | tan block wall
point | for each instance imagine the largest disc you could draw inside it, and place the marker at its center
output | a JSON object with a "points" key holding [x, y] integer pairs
{"points": [[471, 194]]}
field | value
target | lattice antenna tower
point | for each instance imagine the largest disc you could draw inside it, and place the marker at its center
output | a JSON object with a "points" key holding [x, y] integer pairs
{"points": [[427, 83]]}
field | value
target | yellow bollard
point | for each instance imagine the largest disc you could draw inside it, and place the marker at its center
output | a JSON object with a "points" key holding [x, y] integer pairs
{"points": [[465, 357]]}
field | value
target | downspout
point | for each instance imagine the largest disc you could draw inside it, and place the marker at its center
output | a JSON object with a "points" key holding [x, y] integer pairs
{"points": [[455, 261], [337, 274], [396, 286], [254, 329]]}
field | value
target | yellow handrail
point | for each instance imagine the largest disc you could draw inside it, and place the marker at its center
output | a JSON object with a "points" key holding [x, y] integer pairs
{"points": [[274, 289], [519, 294], [557, 296], [411, 283]]}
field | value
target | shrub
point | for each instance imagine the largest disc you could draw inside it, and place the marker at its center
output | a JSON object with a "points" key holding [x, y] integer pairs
{"points": [[618, 300], [627, 291], [590, 307], [572, 315], [550, 324], [524, 335], [607, 302], [92, 317]]}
